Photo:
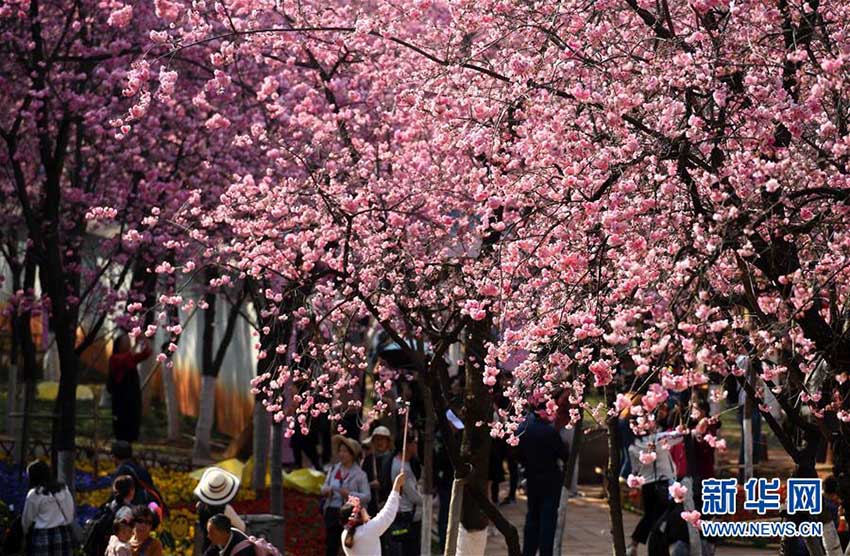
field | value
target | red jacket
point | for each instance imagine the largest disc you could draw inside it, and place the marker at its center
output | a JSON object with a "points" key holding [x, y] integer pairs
{"points": [[122, 364]]}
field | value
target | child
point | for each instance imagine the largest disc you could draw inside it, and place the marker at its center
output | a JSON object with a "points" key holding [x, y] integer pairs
{"points": [[122, 528]]}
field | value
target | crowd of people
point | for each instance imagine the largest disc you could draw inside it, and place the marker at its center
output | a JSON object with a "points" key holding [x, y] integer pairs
{"points": [[47, 525], [365, 471], [368, 482], [371, 497], [123, 525], [677, 434]]}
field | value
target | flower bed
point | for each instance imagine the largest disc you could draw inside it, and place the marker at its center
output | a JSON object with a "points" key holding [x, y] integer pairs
{"points": [[303, 524]]}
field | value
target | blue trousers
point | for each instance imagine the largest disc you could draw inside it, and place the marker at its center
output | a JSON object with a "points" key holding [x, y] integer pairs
{"points": [[542, 517]]}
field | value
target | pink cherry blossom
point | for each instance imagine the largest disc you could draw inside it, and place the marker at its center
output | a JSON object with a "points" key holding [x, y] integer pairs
{"points": [[692, 517], [647, 457], [678, 492], [635, 481], [121, 17]]}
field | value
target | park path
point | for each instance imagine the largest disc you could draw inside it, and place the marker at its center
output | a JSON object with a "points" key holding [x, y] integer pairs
{"points": [[587, 532]]}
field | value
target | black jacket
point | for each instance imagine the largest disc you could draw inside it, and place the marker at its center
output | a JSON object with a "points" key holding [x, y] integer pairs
{"points": [[541, 447]]}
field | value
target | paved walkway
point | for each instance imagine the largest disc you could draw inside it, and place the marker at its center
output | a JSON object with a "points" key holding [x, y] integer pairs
{"points": [[588, 531]]}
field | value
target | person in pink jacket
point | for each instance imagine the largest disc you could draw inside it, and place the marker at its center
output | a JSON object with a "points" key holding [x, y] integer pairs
{"points": [[361, 535]]}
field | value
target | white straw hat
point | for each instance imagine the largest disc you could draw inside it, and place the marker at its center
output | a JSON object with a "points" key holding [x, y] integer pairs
{"points": [[379, 431], [217, 487]]}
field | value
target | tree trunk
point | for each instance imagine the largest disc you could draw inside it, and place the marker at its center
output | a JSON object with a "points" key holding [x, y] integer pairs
{"points": [[615, 508], [475, 445], [260, 445], [172, 407], [455, 504], [13, 400], [65, 426], [203, 429], [428, 472], [28, 368], [277, 483], [261, 417], [58, 283], [747, 424], [471, 543], [570, 471], [436, 376]]}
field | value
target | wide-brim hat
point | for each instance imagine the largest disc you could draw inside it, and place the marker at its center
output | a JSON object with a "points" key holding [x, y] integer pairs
{"points": [[379, 431], [350, 443], [217, 487]]}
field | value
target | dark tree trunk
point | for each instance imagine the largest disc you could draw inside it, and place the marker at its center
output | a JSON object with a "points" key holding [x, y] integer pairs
{"points": [[276, 503], [478, 411], [64, 325], [29, 364]]}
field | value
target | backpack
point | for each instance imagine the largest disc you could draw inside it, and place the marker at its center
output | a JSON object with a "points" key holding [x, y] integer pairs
{"points": [[262, 547], [149, 492], [98, 529]]}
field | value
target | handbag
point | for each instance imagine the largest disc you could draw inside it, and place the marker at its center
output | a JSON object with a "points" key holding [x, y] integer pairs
{"points": [[73, 526]]}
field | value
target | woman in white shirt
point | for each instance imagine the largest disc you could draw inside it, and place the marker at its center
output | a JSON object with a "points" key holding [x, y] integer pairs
{"points": [[654, 468], [48, 513], [362, 534]]}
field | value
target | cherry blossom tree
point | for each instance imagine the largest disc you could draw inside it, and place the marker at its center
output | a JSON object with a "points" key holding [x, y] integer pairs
{"points": [[634, 193], [89, 204]]}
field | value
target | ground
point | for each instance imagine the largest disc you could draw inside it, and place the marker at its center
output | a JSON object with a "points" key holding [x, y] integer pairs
{"points": [[588, 530]]}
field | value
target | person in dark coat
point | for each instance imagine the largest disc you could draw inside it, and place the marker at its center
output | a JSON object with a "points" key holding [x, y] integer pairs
{"points": [[541, 447], [379, 446], [227, 540], [126, 464], [124, 386]]}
